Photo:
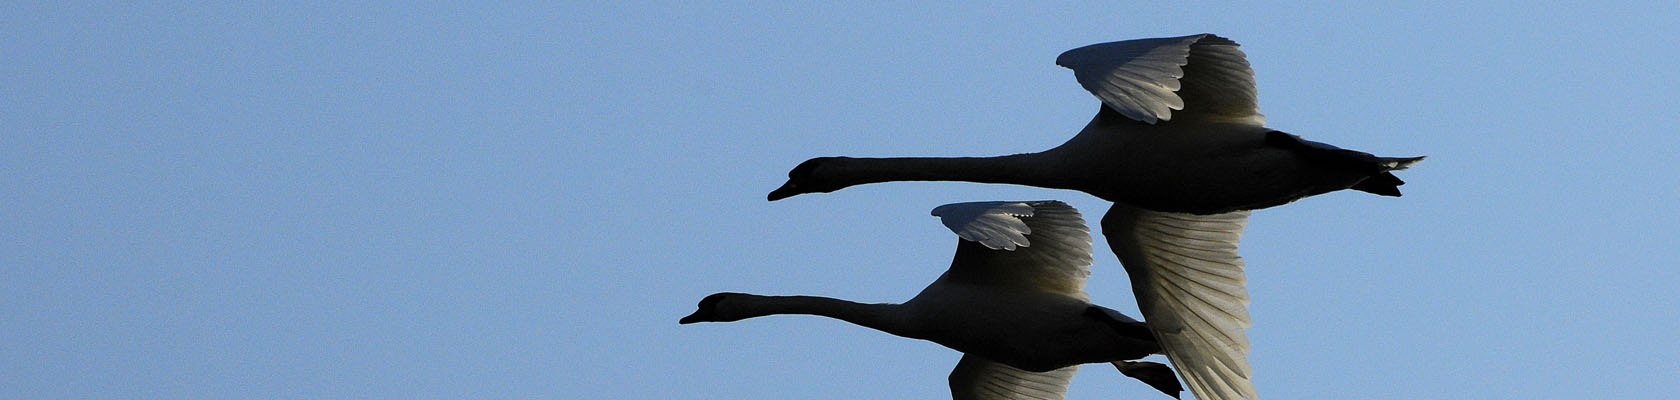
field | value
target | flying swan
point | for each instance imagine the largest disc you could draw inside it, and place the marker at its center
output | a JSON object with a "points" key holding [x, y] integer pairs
{"points": [[1013, 302], [1180, 147]]}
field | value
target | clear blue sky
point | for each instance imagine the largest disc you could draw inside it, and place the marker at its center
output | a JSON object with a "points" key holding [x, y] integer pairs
{"points": [[400, 200]]}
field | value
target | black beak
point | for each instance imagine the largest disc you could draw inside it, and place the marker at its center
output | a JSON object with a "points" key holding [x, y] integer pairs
{"points": [[787, 190]]}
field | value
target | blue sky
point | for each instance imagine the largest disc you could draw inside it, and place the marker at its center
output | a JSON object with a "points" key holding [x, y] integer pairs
{"points": [[428, 200]]}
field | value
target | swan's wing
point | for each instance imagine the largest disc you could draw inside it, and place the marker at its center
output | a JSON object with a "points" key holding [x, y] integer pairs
{"points": [[1042, 245], [976, 378], [994, 224], [1203, 77], [1189, 283]]}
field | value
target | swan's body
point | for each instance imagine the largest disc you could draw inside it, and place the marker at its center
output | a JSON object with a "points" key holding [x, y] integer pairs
{"points": [[1181, 148], [1044, 331], [1187, 167], [1013, 302]]}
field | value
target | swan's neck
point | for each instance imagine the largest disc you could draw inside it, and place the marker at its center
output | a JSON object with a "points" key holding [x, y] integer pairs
{"points": [[889, 318], [1031, 169]]}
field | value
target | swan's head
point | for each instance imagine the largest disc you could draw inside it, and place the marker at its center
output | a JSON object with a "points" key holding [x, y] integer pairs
{"points": [[715, 308], [810, 176]]}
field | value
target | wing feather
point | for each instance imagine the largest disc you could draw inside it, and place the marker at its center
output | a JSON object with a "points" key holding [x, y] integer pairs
{"points": [[1189, 283], [1203, 77], [1039, 245], [976, 378]]}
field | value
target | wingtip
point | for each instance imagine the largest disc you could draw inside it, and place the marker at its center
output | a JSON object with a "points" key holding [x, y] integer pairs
{"points": [[1216, 39]]}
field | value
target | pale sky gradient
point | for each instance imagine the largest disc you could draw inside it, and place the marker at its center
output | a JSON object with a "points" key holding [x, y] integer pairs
{"points": [[434, 201]]}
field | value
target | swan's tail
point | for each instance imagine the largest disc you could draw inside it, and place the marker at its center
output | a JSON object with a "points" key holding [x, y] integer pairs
{"points": [[1156, 375], [1380, 181], [1385, 183], [1399, 163]]}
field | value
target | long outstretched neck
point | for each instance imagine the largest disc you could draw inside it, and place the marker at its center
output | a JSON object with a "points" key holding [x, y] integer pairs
{"points": [[883, 317], [1031, 169]]}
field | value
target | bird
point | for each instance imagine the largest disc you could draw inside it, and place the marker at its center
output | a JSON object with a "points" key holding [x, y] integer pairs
{"points": [[1013, 302], [1180, 147]]}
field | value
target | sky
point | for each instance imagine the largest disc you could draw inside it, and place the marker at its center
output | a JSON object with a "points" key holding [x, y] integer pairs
{"points": [[420, 200]]}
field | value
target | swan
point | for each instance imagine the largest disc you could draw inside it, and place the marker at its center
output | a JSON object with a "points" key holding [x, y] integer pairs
{"points": [[1178, 130], [1180, 147], [1013, 302]]}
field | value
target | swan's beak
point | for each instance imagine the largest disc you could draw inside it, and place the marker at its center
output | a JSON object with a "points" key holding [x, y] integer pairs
{"points": [[787, 190], [701, 315]]}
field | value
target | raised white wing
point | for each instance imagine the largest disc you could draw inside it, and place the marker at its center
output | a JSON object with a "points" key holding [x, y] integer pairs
{"points": [[1205, 77], [978, 379], [1189, 284], [995, 224], [1041, 245]]}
